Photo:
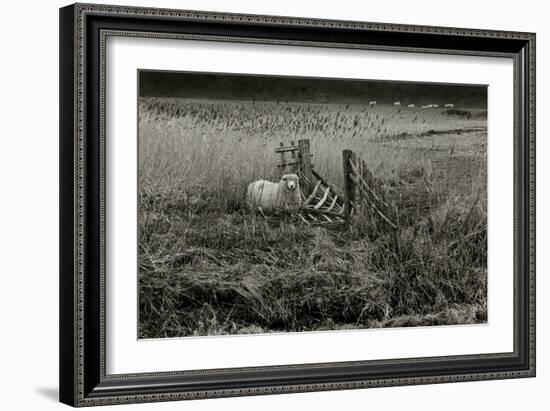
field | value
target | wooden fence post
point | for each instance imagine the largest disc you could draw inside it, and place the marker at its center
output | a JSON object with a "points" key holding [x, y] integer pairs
{"points": [[349, 188], [281, 145], [305, 165]]}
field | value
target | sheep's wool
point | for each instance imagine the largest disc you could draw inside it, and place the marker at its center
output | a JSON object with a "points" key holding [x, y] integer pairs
{"points": [[282, 195]]}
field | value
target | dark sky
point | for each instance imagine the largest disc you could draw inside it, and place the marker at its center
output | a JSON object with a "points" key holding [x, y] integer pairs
{"points": [[306, 89]]}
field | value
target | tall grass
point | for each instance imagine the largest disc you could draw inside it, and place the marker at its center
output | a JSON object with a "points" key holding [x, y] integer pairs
{"points": [[210, 266]]}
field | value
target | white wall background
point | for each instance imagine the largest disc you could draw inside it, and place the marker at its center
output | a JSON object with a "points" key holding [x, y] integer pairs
{"points": [[29, 204]]}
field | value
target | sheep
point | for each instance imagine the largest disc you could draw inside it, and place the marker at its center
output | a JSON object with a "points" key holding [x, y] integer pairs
{"points": [[282, 195], [449, 105], [410, 105], [372, 103], [397, 103]]}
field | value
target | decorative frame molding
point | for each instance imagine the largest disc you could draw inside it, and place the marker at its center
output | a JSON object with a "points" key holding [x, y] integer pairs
{"points": [[83, 32]]}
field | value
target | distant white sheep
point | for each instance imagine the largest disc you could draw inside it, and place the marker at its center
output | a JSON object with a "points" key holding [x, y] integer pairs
{"points": [[282, 195], [397, 103], [449, 105], [411, 105], [372, 103]]}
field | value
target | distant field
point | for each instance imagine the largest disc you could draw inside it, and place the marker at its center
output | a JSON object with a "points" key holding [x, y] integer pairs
{"points": [[208, 265]]}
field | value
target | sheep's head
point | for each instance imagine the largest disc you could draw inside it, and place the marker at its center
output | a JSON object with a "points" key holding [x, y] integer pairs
{"points": [[290, 181]]}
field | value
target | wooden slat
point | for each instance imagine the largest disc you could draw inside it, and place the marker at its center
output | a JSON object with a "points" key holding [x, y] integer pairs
{"points": [[262, 213], [327, 218], [310, 210], [322, 201], [325, 183], [312, 195], [380, 213], [284, 149], [360, 178], [283, 163], [334, 200], [302, 177], [339, 202], [303, 219]]}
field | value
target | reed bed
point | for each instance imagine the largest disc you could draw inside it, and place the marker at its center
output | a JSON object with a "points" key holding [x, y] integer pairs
{"points": [[209, 265]]}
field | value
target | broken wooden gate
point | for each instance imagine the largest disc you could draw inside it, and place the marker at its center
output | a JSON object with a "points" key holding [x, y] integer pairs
{"points": [[321, 202], [364, 194]]}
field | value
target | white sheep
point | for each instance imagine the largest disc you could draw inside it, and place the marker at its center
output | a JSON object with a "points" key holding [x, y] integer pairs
{"points": [[282, 195], [372, 103]]}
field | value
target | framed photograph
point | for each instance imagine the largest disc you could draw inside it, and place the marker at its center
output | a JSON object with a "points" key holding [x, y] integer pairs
{"points": [[261, 204]]}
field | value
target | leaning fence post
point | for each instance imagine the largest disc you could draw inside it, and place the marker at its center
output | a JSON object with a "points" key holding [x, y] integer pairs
{"points": [[349, 189], [305, 164]]}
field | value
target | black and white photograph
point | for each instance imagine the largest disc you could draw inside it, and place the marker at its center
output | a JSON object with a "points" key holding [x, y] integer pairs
{"points": [[265, 199], [275, 205], [279, 204]]}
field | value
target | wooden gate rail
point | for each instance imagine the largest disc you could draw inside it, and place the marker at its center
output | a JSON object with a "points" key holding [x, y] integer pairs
{"points": [[323, 206]]}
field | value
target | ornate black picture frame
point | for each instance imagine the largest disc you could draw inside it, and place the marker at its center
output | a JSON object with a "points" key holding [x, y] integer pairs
{"points": [[83, 30]]}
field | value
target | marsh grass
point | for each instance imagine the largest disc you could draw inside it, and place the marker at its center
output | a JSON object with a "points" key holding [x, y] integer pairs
{"points": [[208, 265]]}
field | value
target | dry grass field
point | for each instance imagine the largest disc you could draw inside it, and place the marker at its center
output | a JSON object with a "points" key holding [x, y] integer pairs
{"points": [[208, 265]]}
